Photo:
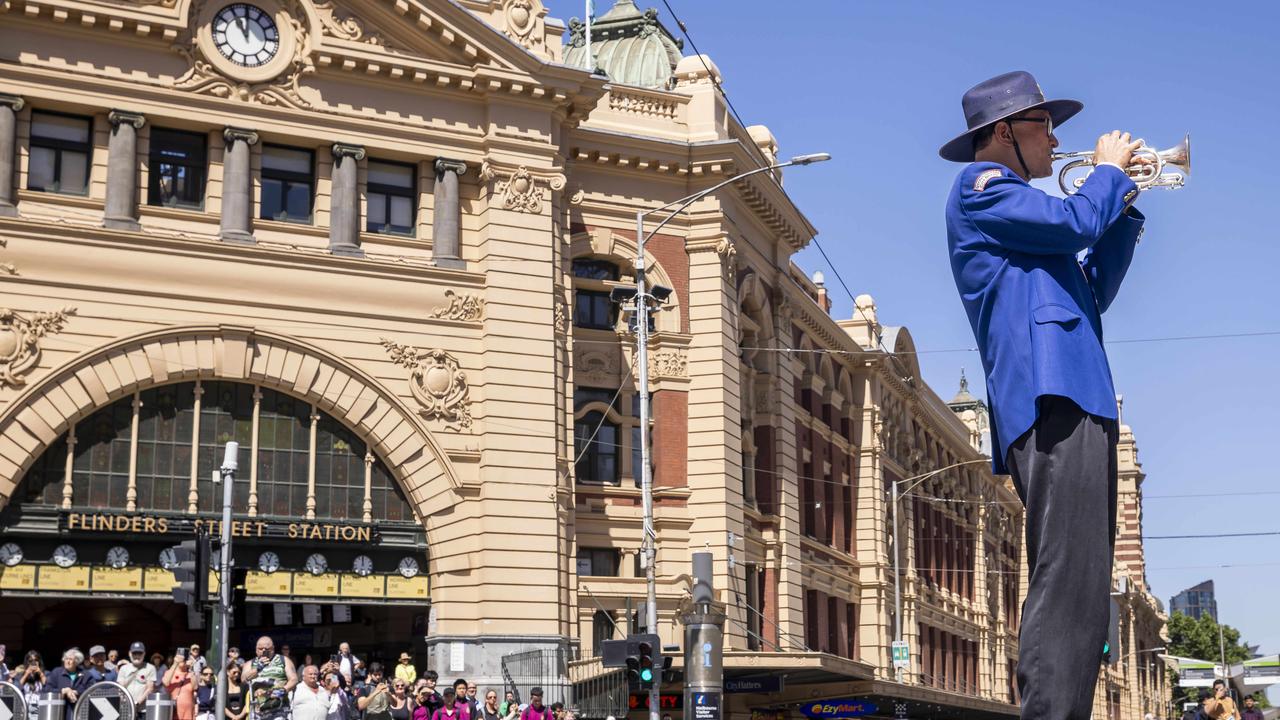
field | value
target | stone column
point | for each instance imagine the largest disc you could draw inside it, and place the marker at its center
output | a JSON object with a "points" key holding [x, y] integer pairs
{"points": [[344, 208], [121, 208], [9, 107], [237, 186], [446, 234]]}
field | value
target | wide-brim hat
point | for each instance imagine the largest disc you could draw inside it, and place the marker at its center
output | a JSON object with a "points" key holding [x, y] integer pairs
{"points": [[1001, 97]]}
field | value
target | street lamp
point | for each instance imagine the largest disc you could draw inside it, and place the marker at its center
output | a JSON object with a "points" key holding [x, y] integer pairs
{"points": [[642, 298], [897, 570]]}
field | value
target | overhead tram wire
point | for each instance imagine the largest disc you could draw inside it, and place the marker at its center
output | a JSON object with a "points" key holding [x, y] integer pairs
{"points": [[58, 339]]}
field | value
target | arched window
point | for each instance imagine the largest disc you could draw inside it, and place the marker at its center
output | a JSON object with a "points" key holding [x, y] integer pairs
{"points": [[176, 423]]}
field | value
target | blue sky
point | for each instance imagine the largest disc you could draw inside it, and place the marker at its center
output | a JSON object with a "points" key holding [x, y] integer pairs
{"points": [[878, 85]]}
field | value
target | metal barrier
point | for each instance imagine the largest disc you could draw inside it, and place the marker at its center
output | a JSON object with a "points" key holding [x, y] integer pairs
{"points": [[590, 690], [51, 706], [159, 707]]}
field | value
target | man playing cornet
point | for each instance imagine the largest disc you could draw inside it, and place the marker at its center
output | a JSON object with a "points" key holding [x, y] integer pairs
{"points": [[1036, 312]]}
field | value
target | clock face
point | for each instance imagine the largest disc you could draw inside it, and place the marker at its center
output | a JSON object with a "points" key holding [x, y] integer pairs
{"points": [[168, 560], [64, 556], [10, 554], [316, 564], [246, 35], [362, 566], [268, 562], [117, 557], [408, 567]]}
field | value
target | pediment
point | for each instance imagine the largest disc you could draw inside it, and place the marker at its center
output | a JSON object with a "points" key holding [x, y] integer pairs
{"points": [[421, 30]]}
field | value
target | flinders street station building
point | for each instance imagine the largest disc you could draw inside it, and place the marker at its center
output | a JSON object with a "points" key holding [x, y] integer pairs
{"points": [[373, 242]]}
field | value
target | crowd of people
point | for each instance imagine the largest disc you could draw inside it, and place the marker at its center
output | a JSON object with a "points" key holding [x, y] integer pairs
{"points": [[1217, 704], [271, 686]]}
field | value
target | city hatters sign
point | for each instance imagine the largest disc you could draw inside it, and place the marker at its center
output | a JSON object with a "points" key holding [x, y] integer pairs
{"points": [[74, 521]]}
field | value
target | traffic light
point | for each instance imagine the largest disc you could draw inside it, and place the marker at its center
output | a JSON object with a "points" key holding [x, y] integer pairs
{"points": [[1111, 648], [192, 572], [239, 590], [668, 675], [647, 650]]}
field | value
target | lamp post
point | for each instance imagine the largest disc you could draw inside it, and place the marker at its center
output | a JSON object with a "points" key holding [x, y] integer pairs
{"points": [[897, 570], [642, 299]]}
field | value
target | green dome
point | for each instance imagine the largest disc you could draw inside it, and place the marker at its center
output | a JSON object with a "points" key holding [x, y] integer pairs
{"points": [[631, 47]]}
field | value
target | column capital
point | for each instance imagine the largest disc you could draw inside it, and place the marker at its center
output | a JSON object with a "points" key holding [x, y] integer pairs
{"points": [[117, 117], [345, 150], [231, 134], [13, 101], [457, 167]]}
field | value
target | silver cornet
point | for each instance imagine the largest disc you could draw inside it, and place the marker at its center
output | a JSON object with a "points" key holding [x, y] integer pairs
{"points": [[1146, 176]]}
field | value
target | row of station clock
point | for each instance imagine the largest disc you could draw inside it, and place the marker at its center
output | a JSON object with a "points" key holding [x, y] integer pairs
{"points": [[268, 562]]}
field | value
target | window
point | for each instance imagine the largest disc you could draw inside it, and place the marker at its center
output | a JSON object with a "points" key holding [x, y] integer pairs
{"points": [[287, 180], [60, 152], [598, 457], [597, 562], [590, 269], [167, 436], [592, 307], [602, 627], [177, 170], [392, 197]]}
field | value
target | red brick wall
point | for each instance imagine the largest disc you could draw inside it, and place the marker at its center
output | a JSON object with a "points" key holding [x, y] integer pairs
{"points": [[671, 438]]}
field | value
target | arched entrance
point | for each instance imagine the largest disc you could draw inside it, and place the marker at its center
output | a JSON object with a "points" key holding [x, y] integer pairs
{"points": [[114, 455]]}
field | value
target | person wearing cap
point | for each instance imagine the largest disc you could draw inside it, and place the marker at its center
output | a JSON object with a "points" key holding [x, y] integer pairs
{"points": [[1036, 309], [137, 675], [195, 660], [536, 710], [97, 667]]}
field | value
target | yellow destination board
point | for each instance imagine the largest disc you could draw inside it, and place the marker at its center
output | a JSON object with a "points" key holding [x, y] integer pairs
{"points": [[373, 586], [56, 578], [158, 580], [402, 588], [106, 579], [18, 577], [308, 585], [276, 583]]}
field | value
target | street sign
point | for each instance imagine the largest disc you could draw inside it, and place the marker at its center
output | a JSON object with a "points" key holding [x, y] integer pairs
{"points": [[13, 703], [901, 654], [771, 684], [104, 701], [706, 706]]}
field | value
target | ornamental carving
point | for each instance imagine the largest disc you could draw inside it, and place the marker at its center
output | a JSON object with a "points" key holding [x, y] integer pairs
{"points": [[669, 364], [466, 308], [525, 24], [520, 190], [728, 253], [348, 28], [436, 382], [7, 268], [560, 316], [595, 366], [20, 341]]}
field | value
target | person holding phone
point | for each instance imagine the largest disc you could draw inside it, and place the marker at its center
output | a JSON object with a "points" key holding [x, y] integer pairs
{"points": [[1221, 706], [181, 686]]}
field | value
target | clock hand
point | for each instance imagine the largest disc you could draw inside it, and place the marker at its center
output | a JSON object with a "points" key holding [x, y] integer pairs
{"points": [[244, 27]]}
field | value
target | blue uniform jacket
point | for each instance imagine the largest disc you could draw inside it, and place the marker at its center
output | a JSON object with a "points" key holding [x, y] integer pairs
{"points": [[1035, 308]]}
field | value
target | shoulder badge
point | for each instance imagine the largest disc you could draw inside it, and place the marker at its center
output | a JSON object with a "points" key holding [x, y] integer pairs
{"points": [[985, 177]]}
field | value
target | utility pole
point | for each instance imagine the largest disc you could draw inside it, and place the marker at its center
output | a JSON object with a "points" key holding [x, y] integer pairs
{"points": [[223, 608], [642, 300]]}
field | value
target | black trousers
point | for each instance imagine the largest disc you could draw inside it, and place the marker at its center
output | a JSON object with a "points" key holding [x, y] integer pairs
{"points": [[1064, 469]]}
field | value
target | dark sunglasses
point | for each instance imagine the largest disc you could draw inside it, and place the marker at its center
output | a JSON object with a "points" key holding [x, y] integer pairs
{"points": [[1048, 123]]}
